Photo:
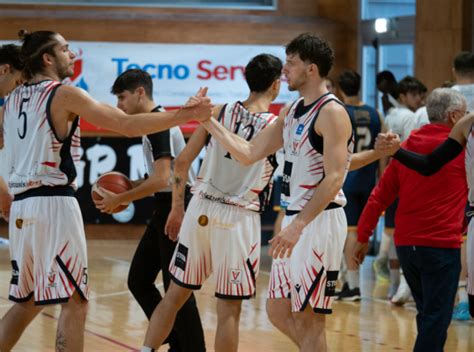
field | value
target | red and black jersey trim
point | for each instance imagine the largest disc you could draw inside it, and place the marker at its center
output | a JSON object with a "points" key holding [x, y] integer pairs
{"points": [[182, 284], [21, 299], [70, 277], [311, 290], [67, 163], [316, 140]]}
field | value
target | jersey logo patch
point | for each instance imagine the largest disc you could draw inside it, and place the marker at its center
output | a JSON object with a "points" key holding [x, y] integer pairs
{"points": [[203, 220], [181, 257], [285, 186], [299, 129], [236, 276], [331, 281], [19, 223], [15, 273], [52, 279]]}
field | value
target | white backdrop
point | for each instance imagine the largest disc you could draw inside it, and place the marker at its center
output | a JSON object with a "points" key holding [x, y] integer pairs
{"points": [[178, 70]]}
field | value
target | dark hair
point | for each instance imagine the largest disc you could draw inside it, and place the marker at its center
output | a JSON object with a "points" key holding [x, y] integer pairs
{"points": [[349, 82], [385, 76], [262, 71], [34, 46], [464, 63], [131, 80], [311, 48], [410, 84], [10, 54]]}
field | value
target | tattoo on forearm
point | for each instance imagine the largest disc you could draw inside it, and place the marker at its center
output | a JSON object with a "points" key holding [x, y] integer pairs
{"points": [[60, 342], [177, 180]]}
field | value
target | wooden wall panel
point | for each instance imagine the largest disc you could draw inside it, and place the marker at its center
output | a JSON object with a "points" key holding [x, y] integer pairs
{"points": [[443, 28], [209, 26]]}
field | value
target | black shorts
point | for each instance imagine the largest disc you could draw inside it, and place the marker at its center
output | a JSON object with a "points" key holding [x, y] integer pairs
{"points": [[390, 215], [355, 204]]}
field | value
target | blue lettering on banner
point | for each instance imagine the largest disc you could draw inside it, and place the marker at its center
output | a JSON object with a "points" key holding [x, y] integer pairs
{"points": [[156, 71]]}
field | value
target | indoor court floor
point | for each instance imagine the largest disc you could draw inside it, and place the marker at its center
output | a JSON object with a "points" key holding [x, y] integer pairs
{"points": [[116, 323]]}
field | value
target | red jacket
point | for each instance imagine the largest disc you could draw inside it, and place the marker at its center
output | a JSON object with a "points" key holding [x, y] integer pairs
{"points": [[431, 208]]}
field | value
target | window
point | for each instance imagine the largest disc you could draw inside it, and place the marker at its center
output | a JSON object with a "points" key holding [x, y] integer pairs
{"points": [[235, 4], [397, 58], [371, 9]]}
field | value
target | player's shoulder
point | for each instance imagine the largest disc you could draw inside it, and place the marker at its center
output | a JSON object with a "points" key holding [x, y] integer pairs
{"points": [[334, 108]]}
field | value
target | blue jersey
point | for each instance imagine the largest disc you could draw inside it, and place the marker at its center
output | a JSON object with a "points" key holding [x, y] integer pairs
{"points": [[368, 126]]}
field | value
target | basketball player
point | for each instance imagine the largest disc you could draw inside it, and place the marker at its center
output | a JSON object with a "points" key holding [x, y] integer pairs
{"points": [[41, 133], [220, 231], [359, 183], [11, 76], [317, 136], [134, 91]]}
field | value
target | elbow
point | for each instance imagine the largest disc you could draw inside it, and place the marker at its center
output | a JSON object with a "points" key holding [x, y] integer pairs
{"points": [[336, 182], [246, 161], [128, 128]]}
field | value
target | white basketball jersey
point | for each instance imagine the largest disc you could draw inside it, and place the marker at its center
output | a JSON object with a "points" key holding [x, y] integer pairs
{"points": [[303, 170], [469, 162], [222, 178], [35, 155]]}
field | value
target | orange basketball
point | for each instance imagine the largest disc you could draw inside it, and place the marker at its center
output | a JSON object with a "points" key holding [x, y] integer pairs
{"points": [[113, 181]]}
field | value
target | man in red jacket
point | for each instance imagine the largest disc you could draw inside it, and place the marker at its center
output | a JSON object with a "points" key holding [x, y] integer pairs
{"points": [[428, 221]]}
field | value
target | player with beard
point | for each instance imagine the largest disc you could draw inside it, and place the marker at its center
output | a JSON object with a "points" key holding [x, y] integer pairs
{"points": [[41, 133]]}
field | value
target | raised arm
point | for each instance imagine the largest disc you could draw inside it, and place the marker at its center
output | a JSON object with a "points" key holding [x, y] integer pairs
{"points": [[265, 143], [180, 176], [76, 101], [334, 126], [431, 163]]}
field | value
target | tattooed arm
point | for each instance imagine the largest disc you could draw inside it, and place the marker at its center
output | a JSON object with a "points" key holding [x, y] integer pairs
{"points": [[180, 176]]}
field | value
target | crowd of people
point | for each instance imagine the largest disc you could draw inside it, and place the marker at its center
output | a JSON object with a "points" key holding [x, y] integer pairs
{"points": [[337, 179]]}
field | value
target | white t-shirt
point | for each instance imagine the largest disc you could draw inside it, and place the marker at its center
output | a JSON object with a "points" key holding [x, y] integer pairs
{"points": [[401, 121], [421, 116], [467, 90]]}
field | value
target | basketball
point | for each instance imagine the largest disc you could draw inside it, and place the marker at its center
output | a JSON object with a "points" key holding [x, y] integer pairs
{"points": [[113, 181]]}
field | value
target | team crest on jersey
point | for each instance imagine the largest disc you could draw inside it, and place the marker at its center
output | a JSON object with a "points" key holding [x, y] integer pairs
{"points": [[19, 223], [236, 276], [203, 220], [52, 279]]}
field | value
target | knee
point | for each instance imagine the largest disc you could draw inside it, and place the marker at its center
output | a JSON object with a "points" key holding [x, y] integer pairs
{"points": [[176, 296], [77, 308], [272, 311], [276, 314], [229, 307], [309, 321], [190, 304]]}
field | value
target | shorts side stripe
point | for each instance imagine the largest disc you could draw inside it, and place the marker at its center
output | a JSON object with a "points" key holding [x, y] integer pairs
{"points": [[311, 289]]}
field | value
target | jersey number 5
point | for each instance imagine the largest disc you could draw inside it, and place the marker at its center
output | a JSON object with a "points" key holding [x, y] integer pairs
{"points": [[22, 114]]}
